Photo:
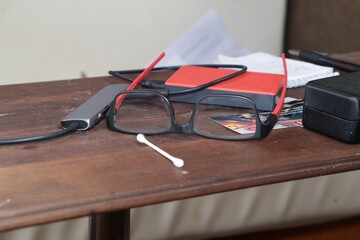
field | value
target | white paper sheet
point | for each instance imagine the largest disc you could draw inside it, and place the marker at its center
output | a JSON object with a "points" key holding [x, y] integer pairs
{"points": [[299, 72], [202, 43]]}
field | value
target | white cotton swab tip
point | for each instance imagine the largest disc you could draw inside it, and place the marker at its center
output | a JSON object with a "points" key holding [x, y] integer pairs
{"points": [[176, 161]]}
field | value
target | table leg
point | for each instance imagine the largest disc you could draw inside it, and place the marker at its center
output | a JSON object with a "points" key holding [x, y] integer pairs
{"points": [[110, 226]]}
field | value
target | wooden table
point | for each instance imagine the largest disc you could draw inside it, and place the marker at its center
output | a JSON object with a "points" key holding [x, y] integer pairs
{"points": [[104, 173]]}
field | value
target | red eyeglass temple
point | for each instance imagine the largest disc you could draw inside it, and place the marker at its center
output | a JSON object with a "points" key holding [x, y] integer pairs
{"points": [[138, 79], [280, 104]]}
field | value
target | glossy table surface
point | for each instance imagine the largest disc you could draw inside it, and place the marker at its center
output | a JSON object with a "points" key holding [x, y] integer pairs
{"points": [[99, 170]]}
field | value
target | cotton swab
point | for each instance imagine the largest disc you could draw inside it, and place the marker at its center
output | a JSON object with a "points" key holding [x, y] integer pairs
{"points": [[176, 161]]}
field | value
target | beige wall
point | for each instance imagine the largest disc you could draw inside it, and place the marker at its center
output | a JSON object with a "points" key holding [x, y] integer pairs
{"points": [[50, 39]]}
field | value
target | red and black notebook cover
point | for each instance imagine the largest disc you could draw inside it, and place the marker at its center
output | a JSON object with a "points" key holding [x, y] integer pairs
{"points": [[262, 88]]}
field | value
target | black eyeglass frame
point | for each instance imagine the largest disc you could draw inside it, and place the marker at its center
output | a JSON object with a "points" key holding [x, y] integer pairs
{"points": [[262, 128]]}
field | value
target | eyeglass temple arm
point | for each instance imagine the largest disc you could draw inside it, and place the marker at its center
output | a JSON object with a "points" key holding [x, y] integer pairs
{"points": [[138, 79], [280, 104], [272, 119]]}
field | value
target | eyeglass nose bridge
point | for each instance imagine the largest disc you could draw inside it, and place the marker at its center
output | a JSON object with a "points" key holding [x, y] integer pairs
{"points": [[182, 128]]}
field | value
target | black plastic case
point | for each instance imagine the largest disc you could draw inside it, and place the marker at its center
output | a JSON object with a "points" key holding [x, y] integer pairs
{"points": [[332, 107]]}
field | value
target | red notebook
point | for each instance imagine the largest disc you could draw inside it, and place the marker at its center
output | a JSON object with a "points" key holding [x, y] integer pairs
{"points": [[262, 88]]}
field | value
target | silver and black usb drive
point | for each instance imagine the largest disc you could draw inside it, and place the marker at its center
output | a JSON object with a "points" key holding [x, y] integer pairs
{"points": [[93, 110]]}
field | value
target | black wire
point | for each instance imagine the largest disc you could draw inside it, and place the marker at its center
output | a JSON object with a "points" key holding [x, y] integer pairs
{"points": [[203, 86], [155, 84], [72, 128]]}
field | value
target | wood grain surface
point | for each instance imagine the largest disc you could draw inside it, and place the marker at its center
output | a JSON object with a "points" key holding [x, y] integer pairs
{"points": [[99, 170]]}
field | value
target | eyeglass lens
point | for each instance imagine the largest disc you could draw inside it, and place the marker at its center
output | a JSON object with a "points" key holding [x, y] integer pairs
{"points": [[215, 116], [225, 116], [143, 114]]}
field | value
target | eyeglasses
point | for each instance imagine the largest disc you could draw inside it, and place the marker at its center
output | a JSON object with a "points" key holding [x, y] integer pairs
{"points": [[224, 117]]}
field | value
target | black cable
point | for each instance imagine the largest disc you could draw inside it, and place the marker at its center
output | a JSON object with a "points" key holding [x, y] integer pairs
{"points": [[203, 86], [72, 128], [160, 84]]}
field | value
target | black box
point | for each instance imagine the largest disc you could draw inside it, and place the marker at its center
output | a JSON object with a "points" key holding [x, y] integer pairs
{"points": [[332, 107]]}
